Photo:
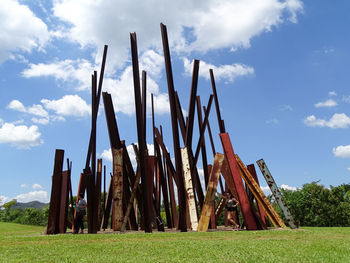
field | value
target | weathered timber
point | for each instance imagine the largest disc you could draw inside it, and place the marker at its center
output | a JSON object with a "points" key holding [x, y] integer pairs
{"points": [[276, 193], [210, 194], [192, 211], [259, 195]]}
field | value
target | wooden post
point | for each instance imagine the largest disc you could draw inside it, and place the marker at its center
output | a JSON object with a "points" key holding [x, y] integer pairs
{"points": [[210, 194]]}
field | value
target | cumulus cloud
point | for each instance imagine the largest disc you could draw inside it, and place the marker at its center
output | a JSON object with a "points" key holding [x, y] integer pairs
{"points": [[332, 93], [338, 120], [123, 87], [21, 30], [37, 186], [68, 105], [3, 200], [342, 151], [20, 136], [36, 110], [71, 71], [23, 186], [327, 104], [40, 196], [211, 24], [223, 72], [266, 190], [287, 187], [107, 154]]}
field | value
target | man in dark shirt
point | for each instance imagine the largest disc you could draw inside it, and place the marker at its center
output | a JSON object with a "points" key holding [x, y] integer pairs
{"points": [[81, 212]]}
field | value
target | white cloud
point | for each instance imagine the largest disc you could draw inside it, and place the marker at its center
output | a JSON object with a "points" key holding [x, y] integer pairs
{"points": [[272, 121], [348, 168], [338, 120], [342, 151], [40, 196], [266, 190], [328, 103], [37, 186], [223, 72], [21, 30], [107, 154], [3, 200], [122, 89], [23, 186], [35, 109], [212, 24], [68, 105], [332, 93], [20, 136], [71, 71], [287, 187]]}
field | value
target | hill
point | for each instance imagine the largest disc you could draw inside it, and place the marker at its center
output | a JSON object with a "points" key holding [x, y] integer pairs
{"points": [[33, 204]]}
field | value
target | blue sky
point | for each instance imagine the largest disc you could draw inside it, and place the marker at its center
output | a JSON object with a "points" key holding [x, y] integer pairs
{"points": [[281, 67]]}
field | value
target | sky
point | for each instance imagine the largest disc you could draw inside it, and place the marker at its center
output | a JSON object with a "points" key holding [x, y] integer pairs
{"points": [[281, 69]]}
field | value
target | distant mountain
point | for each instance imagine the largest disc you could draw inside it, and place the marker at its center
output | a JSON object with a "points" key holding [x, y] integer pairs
{"points": [[33, 204]]}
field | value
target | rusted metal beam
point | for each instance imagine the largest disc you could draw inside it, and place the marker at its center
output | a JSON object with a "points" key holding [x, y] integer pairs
{"points": [[259, 195], [201, 135], [276, 193], [192, 104], [63, 212], [236, 176], [163, 183], [97, 218], [146, 194], [144, 102], [104, 192], [203, 149], [191, 204], [131, 201], [98, 96], [117, 219], [52, 224], [180, 117], [90, 193], [263, 215], [210, 194], [116, 143], [176, 144], [213, 149], [108, 205], [213, 85]]}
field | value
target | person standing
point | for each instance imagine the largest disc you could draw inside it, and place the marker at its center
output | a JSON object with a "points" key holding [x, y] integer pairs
{"points": [[231, 208], [81, 212]]}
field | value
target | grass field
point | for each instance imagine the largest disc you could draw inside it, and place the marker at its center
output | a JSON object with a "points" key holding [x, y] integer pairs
{"points": [[20, 243]]}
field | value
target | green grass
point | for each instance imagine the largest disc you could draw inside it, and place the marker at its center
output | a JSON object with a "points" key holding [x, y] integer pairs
{"points": [[19, 243]]}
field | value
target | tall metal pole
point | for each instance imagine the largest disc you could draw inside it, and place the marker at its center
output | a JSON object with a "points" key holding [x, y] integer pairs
{"points": [[147, 204], [181, 188]]}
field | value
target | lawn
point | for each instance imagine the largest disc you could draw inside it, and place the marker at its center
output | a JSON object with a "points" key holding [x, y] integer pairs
{"points": [[20, 243]]}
